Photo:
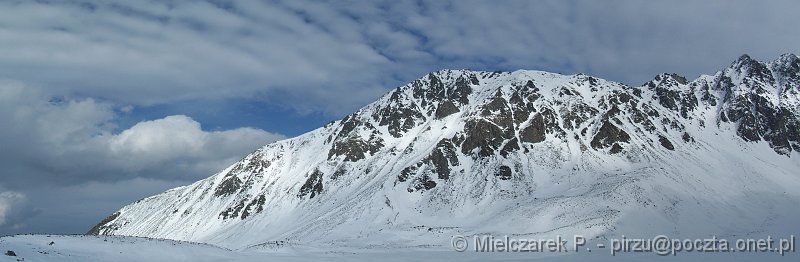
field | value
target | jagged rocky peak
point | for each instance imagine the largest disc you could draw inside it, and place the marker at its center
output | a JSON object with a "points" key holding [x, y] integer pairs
{"points": [[445, 85], [666, 80], [439, 93], [787, 63], [761, 100], [504, 111], [773, 77], [786, 70], [755, 74]]}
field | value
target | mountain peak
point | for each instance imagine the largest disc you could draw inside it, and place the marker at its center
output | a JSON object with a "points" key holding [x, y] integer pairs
{"points": [[787, 58], [666, 80], [787, 72], [745, 63], [576, 151], [744, 58]]}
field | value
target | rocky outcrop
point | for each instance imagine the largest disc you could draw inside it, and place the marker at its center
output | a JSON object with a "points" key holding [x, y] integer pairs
{"points": [[611, 136], [230, 185], [313, 185], [104, 225], [445, 109]]}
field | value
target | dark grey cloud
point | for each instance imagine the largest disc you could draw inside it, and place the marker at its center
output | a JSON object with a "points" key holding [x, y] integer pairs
{"points": [[62, 164], [144, 54], [73, 69], [70, 209], [70, 141], [625, 41], [306, 55]]}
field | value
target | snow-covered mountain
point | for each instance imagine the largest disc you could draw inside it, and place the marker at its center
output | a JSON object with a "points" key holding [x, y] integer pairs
{"points": [[528, 153]]}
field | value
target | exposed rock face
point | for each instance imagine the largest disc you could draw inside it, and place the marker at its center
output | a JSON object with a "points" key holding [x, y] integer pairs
{"points": [[422, 183], [350, 144], [755, 102], [482, 138], [229, 186], [313, 185], [610, 135], [442, 158], [665, 143], [504, 173], [445, 109], [104, 225], [255, 205], [535, 131], [457, 138], [232, 184]]}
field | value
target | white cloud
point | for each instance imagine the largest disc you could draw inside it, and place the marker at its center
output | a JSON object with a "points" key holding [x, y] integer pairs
{"points": [[7, 201], [72, 140], [167, 137], [164, 140]]}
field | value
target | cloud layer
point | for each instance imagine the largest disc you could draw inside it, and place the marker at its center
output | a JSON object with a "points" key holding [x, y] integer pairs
{"points": [[336, 56], [72, 139], [53, 146], [159, 52], [7, 200]]}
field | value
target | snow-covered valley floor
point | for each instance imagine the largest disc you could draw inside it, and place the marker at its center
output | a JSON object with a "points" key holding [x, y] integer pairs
{"points": [[114, 248]]}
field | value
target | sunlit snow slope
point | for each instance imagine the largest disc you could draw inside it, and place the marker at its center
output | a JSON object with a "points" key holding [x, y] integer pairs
{"points": [[526, 152]]}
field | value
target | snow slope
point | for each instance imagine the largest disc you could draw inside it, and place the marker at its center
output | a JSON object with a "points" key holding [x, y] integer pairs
{"points": [[111, 248], [33, 248], [527, 153]]}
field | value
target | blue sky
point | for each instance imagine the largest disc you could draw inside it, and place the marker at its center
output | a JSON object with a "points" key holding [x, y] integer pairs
{"points": [[103, 103]]}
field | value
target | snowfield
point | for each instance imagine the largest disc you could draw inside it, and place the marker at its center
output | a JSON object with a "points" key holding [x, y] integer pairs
{"points": [[122, 249]]}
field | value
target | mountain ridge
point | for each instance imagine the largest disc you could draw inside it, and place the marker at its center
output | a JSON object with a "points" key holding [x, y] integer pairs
{"points": [[529, 152]]}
